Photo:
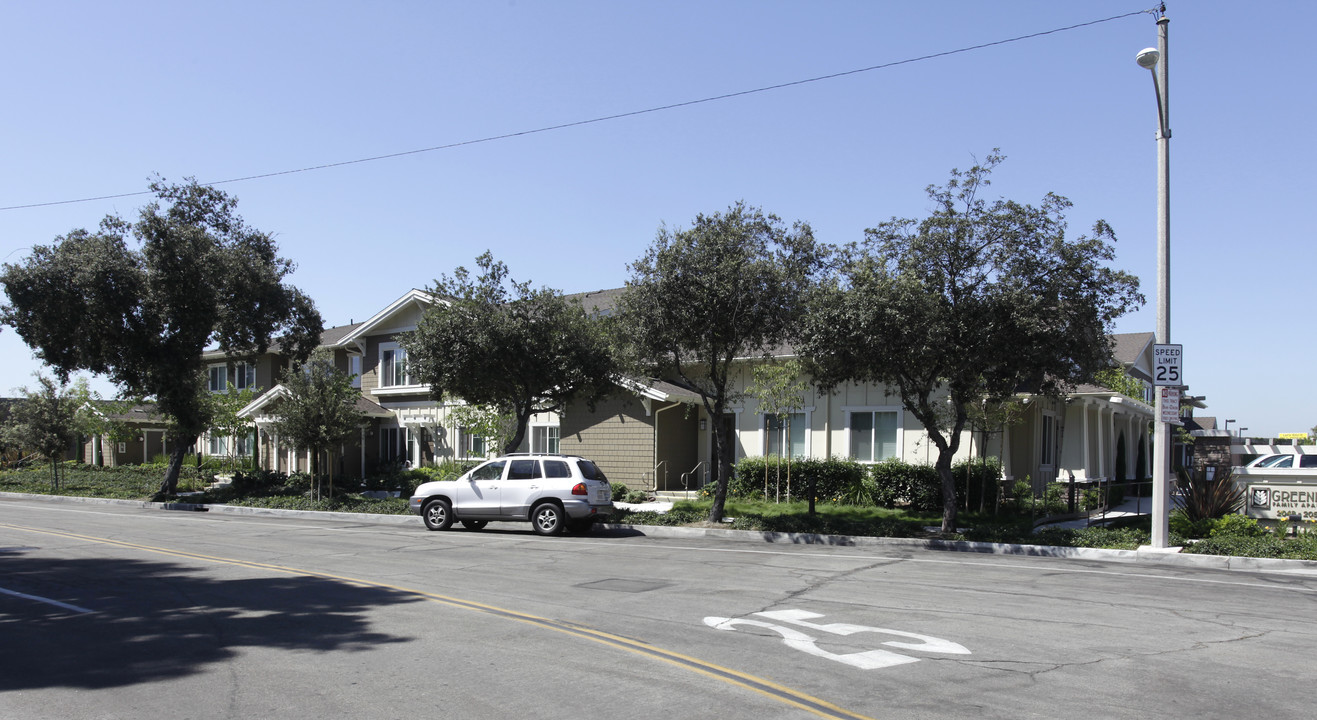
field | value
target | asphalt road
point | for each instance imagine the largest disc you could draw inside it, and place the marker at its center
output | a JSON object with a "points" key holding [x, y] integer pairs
{"points": [[114, 612]]}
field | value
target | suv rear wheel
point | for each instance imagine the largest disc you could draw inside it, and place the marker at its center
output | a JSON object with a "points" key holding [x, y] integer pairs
{"points": [[548, 519]]}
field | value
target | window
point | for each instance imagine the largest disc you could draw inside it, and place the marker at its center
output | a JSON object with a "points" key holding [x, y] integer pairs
{"points": [[354, 369], [473, 446], [394, 443], [244, 376], [219, 378], [246, 443], [218, 445], [393, 366], [544, 439], [488, 471], [785, 433], [873, 435], [559, 469], [524, 470], [1049, 445]]}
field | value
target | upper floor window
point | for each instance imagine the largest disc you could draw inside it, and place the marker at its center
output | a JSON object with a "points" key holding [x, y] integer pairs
{"points": [[218, 378], [354, 369], [244, 376], [393, 366]]}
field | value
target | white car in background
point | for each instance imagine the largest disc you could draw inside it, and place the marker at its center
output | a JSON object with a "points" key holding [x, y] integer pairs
{"points": [[555, 493], [1285, 460]]}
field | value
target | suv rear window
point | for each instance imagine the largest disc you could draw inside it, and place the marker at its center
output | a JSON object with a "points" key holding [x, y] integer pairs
{"points": [[1309, 461], [556, 469], [590, 471]]}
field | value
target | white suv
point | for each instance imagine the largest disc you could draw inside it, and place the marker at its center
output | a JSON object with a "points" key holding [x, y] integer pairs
{"points": [[553, 492]]}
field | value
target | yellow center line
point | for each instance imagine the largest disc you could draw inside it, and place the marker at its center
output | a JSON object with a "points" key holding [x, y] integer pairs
{"points": [[756, 684]]}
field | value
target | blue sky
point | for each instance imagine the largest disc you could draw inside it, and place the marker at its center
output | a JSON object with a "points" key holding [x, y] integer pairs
{"points": [[100, 96]]}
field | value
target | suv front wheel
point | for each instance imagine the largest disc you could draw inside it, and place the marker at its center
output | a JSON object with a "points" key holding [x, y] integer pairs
{"points": [[548, 519], [437, 514]]}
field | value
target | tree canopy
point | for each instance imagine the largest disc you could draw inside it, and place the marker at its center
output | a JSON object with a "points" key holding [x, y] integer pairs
{"points": [[317, 409], [978, 300], [522, 351], [143, 316], [729, 287], [47, 420]]}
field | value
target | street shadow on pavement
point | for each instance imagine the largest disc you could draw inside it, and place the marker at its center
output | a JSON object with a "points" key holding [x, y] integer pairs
{"points": [[152, 620]]}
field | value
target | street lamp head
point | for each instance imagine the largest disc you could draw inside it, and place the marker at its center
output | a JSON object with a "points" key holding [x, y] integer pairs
{"points": [[1147, 58]]}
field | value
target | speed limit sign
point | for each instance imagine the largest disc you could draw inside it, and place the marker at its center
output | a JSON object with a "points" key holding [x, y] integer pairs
{"points": [[1166, 367]]}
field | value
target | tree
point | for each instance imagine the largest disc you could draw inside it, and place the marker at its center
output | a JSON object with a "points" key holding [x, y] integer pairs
{"points": [[224, 420], [318, 408], [47, 420], [142, 317], [730, 287], [492, 341], [976, 301], [492, 427], [778, 388]]}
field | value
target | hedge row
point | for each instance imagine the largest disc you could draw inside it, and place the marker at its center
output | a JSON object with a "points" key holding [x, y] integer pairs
{"points": [[890, 483]]}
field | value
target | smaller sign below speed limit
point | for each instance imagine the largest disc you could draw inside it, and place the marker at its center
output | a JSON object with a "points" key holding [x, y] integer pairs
{"points": [[1166, 365]]}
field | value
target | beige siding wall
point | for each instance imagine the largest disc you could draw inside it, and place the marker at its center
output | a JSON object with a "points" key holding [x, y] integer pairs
{"points": [[617, 436]]}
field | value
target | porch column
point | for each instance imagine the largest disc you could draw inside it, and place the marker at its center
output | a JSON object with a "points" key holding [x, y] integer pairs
{"points": [[363, 452]]}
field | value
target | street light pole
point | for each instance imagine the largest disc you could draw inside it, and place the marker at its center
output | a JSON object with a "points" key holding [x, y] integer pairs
{"points": [[1155, 60]]}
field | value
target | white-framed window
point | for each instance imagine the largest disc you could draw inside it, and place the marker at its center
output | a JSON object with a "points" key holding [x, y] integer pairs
{"points": [[873, 434], [1049, 439], [395, 444], [783, 434], [472, 446], [393, 365], [217, 378], [244, 376], [223, 445], [354, 369], [544, 439]]}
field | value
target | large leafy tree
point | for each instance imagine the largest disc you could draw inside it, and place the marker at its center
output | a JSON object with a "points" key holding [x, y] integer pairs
{"points": [[975, 301], [317, 409], [143, 315], [48, 420], [522, 351], [729, 287]]}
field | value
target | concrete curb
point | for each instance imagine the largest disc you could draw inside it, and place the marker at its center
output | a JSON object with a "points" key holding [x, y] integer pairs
{"points": [[1147, 556]]}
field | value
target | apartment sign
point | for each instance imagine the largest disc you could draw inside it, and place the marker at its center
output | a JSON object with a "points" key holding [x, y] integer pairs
{"points": [[1166, 365], [1277, 502]]}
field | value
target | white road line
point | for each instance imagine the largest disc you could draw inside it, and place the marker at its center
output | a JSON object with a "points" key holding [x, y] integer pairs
{"points": [[48, 601]]}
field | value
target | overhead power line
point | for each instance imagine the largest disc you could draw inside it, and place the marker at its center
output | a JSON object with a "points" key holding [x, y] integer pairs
{"points": [[606, 118]]}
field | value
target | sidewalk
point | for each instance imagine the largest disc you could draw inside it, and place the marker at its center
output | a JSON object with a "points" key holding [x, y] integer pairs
{"points": [[1130, 507]]}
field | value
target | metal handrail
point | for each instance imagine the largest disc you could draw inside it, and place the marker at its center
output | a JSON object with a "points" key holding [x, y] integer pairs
{"points": [[685, 477], [654, 475]]}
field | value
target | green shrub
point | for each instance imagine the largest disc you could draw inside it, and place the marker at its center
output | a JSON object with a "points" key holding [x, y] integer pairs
{"points": [[1235, 525], [899, 483], [620, 491], [829, 478], [1181, 524], [977, 482]]}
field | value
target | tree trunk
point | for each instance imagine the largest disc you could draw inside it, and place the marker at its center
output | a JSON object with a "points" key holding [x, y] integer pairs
{"points": [[720, 477], [949, 509], [169, 487]]}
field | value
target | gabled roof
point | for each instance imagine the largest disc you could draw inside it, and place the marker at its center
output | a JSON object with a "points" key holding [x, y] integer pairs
{"points": [[1134, 353], [660, 390], [252, 409], [417, 298]]}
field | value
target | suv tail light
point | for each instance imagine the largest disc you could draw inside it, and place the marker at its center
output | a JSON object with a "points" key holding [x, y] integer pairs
{"points": [[579, 489]]}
